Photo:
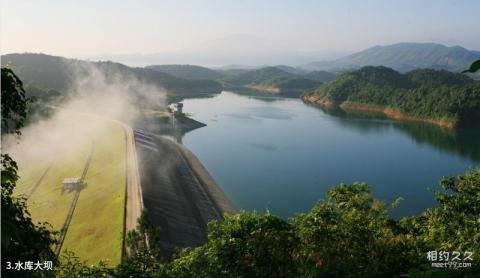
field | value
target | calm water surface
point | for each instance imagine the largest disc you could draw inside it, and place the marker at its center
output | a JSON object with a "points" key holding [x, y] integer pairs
{"points": [[283, 155]]}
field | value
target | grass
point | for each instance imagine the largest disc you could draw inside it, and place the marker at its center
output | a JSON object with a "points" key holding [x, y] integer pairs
{"points": [[31, 175], [95, 232], [48, 202]]}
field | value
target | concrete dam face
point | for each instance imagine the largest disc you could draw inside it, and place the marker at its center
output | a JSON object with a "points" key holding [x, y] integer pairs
{"points": [[178, 192]]}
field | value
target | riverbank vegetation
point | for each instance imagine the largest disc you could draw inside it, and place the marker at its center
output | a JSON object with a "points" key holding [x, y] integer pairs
{"points": [[435, 96]]}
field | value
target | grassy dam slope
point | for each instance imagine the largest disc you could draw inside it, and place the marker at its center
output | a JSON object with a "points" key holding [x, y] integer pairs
{"points": [[95, 231]]}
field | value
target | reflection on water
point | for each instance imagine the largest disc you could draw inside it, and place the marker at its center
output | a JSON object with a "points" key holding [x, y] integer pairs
{"points": [[463, 142], [282, 155]]}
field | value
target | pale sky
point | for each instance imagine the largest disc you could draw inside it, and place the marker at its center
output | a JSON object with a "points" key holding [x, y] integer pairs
{"points": [[82, 28]]}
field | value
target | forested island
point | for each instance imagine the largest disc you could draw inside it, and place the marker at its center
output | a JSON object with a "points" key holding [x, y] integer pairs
{"points": [[435, 96], [275, 80]]}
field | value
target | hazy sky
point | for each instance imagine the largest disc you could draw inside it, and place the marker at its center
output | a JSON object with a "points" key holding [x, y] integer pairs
{"points": [[82, 28]]}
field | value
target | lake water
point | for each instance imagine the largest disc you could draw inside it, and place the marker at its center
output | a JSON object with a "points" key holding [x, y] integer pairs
{"points": [[282, 155]]}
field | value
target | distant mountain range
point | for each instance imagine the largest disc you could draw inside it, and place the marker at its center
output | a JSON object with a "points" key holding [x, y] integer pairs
{"points": [[241, 75], [188, 71], [236, 49], [47, 72], [247, 53], [403, 57]]}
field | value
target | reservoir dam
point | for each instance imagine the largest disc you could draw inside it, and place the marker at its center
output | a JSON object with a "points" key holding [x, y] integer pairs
{"points": [[178, 192]]}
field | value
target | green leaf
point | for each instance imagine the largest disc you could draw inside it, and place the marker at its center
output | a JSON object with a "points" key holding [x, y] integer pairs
{"points": [[475, 66]]}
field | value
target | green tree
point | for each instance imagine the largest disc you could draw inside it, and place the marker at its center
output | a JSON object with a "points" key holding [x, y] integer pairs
{"points": [[474, 67], [454, 225], [14, 102], [350, 234], [143, 250], [70, 266], [244, 245], [22, 240]]}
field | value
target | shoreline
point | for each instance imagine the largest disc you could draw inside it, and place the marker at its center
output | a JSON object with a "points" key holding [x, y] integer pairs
{"points": [[179, 193], [220, 200], [264, 88], [394, 114]]}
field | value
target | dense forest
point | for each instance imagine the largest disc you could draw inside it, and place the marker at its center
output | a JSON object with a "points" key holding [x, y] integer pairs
{"points": [[437, 96], [319, 75]]}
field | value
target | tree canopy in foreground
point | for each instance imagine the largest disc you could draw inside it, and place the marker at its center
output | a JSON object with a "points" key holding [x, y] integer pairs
{"points": [[349, 234]]}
